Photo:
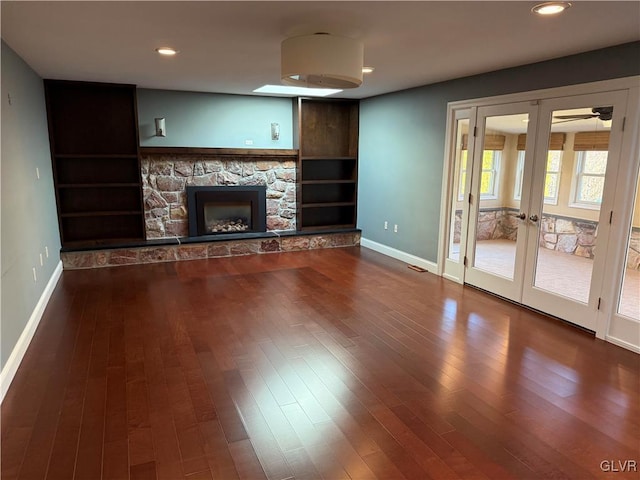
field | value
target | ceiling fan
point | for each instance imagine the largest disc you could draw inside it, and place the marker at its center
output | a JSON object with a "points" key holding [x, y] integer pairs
{"points": [[603, 113]]}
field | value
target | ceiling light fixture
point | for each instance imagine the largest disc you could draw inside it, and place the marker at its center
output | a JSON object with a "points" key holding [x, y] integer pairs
{"points": [[296, 91], [367, 69], [322, 60], [166, 51], [550, 8]]}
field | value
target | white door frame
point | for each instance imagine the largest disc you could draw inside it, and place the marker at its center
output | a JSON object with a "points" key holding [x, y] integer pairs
{"points": [[609, 327]]}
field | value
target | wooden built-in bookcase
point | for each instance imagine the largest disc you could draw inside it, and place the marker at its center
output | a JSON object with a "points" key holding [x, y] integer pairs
{"points": [[327, 163], [93, 134]]}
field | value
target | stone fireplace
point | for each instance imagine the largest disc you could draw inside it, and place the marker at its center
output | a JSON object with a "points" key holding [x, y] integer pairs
{"points": [[166, 177], [226, 209], [167, 172]]}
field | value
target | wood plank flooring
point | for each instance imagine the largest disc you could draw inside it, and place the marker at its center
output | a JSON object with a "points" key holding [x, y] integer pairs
{"points": [[326, 364]]}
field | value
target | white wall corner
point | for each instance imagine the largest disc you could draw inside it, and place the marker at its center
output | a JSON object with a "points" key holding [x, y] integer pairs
{"points": [[408, 258], [14, 360]]}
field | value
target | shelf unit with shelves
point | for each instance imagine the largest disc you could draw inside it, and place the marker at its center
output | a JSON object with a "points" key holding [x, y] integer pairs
{"points": [[93, 135], [327, 163]]}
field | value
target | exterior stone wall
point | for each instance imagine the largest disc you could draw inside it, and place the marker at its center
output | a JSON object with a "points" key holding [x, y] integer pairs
{"points": [[493, 224], [633, 254], [568, 235], [165, 178], [195, 251]]}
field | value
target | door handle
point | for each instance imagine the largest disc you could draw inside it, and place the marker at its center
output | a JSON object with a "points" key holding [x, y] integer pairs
{"points": [[533, 218], [522, 216]]}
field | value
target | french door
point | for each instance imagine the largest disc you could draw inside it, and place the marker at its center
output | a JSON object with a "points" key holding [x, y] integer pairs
{"points": [[531, 207], [498, 226]]}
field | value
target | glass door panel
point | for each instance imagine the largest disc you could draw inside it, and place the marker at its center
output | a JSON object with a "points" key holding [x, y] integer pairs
{"points": [[501, 166], [459, 189], [499, 202], [575, 168], [569, 221], [629, 304]]}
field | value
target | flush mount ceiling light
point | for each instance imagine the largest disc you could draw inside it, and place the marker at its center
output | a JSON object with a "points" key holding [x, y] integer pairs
{"points": [[322, 60], [291, 91], [550, 8], [168, 51]]}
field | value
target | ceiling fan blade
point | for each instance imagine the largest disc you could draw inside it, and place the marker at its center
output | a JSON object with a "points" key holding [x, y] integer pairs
{"points": [[585, 116], [565, 121]]}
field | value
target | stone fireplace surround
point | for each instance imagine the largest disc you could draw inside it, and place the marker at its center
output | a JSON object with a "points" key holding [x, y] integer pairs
{"points": [[165, 174]]}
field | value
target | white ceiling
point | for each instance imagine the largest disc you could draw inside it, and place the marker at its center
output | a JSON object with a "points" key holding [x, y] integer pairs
{"points": [[234, 46]]}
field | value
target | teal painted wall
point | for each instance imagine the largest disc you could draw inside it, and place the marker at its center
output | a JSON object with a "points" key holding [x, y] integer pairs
{"points": [[28, 209], [214, 120], [402, 139]]}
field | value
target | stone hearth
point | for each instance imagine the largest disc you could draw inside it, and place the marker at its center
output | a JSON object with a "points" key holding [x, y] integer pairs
{"points": [[73, 260]]}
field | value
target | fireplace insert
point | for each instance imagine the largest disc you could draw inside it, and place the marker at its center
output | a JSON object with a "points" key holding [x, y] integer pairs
{"points": [[226, 209]]}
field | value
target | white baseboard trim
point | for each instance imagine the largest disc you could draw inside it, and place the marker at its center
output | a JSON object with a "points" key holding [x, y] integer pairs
{"points": [[13, 362], [622, 343], [431, 267]]}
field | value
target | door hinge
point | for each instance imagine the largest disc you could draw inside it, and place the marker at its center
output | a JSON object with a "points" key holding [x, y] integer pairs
{"points": [[624, 121], [464, 261], [611, 217], [475, 131], [599, 302], [470, 198]]}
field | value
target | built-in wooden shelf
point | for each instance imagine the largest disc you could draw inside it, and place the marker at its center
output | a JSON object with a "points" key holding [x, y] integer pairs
{"points": [[101, 214], [93, 133], [94, 185], [325, 182], [327, 163], [326, 157], [328, 204]]}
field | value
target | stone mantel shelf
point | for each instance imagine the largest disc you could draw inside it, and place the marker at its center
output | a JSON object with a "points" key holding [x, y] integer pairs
{"points": [[221, 152]]}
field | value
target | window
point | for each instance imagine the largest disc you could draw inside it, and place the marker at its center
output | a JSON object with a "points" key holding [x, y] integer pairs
{"points": [[551, 178], [517, 192], [463, 174], [591, 166], [488, 179], [490, 171]]}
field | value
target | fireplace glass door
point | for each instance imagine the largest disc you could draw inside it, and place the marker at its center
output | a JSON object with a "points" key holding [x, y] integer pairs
{"points": [[227, 217]]}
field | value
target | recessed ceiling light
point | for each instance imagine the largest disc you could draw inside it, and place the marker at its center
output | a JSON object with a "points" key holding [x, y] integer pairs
{"points": [[367, 69], [550, 8], [294, 91], [166, 51]]}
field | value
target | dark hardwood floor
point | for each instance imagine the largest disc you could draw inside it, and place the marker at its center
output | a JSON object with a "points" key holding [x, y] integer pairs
{"points": [[331, 364]]}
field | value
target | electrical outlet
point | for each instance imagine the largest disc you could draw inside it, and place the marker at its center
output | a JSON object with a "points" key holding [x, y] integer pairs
{"points": [[395, 228], [386, 225], [248, 142]]}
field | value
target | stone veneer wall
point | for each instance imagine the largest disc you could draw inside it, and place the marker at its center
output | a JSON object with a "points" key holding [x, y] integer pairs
{"points": [[569, 235], [165, 177], [633, 254], [563, 234], [196, 251], [493, 224]]}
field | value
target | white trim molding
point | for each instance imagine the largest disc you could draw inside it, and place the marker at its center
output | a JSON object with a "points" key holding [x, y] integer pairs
{"points": [[14, 360], [431, 267]]}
